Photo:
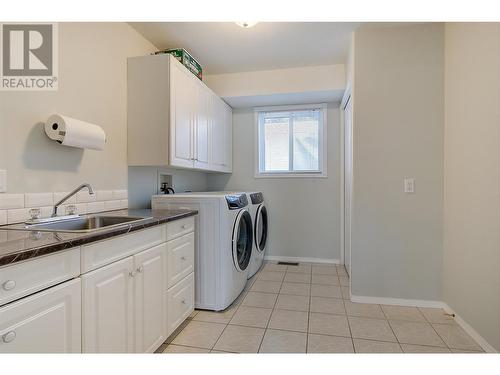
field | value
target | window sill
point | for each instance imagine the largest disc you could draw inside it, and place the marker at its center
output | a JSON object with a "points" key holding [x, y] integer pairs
{"points": [[291, 175]]}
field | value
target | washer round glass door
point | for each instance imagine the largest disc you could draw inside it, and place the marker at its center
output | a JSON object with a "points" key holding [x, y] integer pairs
{"points": [[261, 224], [242, 240]]}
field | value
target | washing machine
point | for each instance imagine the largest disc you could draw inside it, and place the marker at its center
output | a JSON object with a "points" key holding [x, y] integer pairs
{"points": [[260, 221], [223, 243]]}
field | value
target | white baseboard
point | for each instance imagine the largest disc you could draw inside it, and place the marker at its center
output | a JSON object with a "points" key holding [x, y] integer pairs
{"points": [[301, 259], [470, 331], [397, 301]]}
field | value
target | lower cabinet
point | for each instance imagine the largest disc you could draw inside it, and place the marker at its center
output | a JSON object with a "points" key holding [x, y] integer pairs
{"points": [[45, 322], [180, 302]]}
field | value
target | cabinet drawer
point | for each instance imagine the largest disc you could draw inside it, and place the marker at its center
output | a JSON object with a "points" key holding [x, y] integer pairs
{"points": [[180, 258], [180, 302], [98, 254], [180, 227], [25, 278], [46, 322]]}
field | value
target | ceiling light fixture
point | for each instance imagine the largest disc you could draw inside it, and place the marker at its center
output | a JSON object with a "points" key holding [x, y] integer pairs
{"points": [[246, 25]]}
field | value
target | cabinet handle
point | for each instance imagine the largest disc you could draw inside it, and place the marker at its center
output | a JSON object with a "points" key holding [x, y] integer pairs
{"points": [[131, 273], [9, 337], [140, 269], [9, 285], [183, 258], [183, 301], [184, 226]]}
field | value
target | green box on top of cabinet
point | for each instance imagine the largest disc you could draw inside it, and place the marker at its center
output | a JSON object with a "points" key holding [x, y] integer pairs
{"points": [[186, 59]]}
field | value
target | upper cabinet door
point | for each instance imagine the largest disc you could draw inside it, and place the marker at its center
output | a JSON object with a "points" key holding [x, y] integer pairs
{"points": [[228, 123], [219, 135], [183, 105], [202, 128]]}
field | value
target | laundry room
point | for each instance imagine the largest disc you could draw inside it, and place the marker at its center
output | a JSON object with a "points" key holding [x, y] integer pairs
{"points": [[186, 183]]}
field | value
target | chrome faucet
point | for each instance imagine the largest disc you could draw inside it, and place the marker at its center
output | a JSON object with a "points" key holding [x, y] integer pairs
{"points": [[91, 191]]}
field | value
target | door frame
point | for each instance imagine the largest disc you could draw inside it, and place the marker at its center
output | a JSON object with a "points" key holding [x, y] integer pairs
{"points": [[345, 100]]}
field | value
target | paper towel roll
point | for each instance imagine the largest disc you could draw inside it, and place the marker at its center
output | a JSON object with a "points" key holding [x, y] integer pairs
{"points": [[75, 133]]}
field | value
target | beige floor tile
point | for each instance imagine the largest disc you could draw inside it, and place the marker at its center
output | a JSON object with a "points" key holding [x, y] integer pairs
{"points": [[299, 289], [327, 305], [184, 349], [324, 269], [240, 339], [301, 268], [370, 346], [455, 337], [330, 291], [344, 280], [216, 317], [266, 286], [274, 267], [415, 333], [289, 320], [251, 317], [258, 299], [271, 276], [239, 299], [283, 342], [364, 310], [220, 352], [292, 302], [436, 315], [371, 329], [341, 271], [325, 279], [199, 334], [407, 313], [328, 324], [346, 294], [409, 348], [294, 277], [329, 344], [193, 314]]}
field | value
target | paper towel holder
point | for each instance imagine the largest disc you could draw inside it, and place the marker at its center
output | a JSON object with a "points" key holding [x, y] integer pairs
{"points": [[71, 132]]}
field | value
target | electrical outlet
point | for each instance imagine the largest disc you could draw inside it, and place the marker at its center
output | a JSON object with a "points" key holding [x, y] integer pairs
{"points": [[3, 181], [409, 185]]}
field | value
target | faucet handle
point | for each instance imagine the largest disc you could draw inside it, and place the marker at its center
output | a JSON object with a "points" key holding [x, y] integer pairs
{"points": [[35, 213], [70, 209]]}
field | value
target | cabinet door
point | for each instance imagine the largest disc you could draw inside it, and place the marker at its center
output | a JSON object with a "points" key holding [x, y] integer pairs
{"points": [[228, 128], [108, 308], [218, 135], [150, 308], [46, 322], [182, 115], [202, 128]]}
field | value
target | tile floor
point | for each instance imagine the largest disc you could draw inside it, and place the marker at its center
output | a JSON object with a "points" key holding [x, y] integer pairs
{"points": [[306, 309]]}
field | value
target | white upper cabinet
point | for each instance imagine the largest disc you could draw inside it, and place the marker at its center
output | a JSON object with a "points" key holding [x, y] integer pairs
{"points": [[174, 119]]}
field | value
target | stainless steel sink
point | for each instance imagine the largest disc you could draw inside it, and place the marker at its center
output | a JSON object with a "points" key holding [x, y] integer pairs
{"points": [[85, 224]]}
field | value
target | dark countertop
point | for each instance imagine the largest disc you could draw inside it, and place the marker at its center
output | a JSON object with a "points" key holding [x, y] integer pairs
{"points": [[17, 245]]}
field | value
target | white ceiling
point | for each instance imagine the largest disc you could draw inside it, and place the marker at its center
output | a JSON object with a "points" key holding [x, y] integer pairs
{"points": [[224, 47]]}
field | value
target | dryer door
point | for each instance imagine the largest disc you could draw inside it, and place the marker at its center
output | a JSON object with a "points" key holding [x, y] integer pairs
{"points": [[261, 225], [242, 240]]}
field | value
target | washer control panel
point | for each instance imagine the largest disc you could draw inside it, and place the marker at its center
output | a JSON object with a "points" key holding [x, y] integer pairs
{"points": [[236, 201]]}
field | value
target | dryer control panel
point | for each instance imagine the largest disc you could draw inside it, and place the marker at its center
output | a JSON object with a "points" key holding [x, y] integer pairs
{"points": [[236, 201], [257, 198]]}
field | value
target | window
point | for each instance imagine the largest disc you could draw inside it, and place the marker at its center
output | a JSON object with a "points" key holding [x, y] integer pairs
{"points": [[290, 141]]}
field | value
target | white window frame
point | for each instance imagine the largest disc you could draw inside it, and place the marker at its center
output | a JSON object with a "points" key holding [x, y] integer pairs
{"points": [[322, 146]]}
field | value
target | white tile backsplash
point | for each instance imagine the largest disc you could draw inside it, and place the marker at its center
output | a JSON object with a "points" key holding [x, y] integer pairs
{"points": [[38, 199], [60, 195], [120, 194], [104, 195], [3, 217], [14, 208], [85, 197], [9, 201]]}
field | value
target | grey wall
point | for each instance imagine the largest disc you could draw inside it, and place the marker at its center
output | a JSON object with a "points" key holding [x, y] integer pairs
{"points": [[471, 260], [304, 212], [93, 88], [398, 133], [143, 182]]}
